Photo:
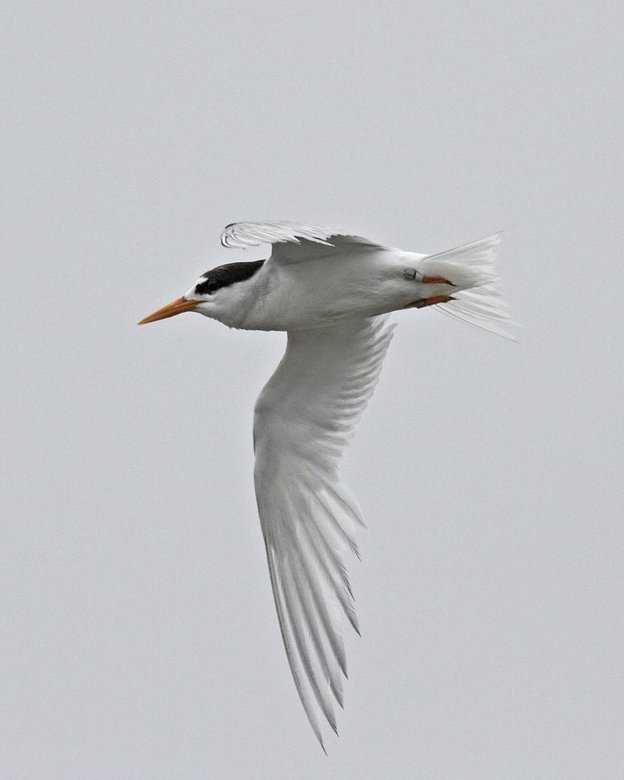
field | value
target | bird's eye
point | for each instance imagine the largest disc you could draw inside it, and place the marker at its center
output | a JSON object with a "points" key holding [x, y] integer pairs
{"points": [[208, 286]]}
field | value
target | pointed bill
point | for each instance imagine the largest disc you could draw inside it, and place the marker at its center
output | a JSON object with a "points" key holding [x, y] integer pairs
{"points": [[170, 310]]}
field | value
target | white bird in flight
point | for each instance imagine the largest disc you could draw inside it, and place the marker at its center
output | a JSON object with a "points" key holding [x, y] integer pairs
{"points": [[332, 293]]}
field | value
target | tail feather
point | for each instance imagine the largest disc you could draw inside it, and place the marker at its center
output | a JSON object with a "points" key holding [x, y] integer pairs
{"points": [[478, 300]]}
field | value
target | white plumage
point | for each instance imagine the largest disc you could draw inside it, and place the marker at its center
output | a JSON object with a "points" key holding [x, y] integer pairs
{"points": [[304, 418], [332, 293]]}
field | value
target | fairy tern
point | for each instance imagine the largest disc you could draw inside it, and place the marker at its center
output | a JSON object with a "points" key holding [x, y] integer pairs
{"points": [[332, 293]]}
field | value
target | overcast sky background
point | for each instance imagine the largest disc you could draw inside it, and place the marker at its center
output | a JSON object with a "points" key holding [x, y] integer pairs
{"points": [[139, 638]]}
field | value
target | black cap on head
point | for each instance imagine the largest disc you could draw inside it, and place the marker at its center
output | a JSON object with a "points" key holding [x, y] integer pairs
{"points": [[225, 275]]}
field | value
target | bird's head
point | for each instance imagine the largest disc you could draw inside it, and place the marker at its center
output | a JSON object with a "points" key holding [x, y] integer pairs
{"points": [[219, 293]]}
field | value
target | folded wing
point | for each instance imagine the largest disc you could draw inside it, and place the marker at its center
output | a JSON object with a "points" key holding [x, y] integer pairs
{"points": [[304, 418]]}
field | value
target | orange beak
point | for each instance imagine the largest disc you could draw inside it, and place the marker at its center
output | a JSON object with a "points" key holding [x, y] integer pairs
{"points": [[170, 310]]}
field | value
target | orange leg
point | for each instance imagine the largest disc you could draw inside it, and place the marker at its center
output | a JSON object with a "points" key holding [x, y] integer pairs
{"points": [[422, 302]]}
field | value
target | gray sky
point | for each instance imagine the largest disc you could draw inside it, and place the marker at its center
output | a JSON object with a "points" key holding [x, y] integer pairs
{"points": [[139, 638]]}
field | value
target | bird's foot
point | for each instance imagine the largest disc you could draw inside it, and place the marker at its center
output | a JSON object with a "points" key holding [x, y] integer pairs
{"points": [[422, 302]]}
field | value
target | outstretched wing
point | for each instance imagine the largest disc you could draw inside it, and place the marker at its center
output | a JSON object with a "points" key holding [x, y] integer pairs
{"points": [[304, 419], [293, 241]]}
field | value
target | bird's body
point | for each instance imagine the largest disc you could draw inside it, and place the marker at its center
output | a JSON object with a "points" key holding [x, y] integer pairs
{"points": [[319, 292], [332, 294]]}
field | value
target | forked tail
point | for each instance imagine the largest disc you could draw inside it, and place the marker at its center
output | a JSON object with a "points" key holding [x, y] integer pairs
{"points": [[477, 299]]}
